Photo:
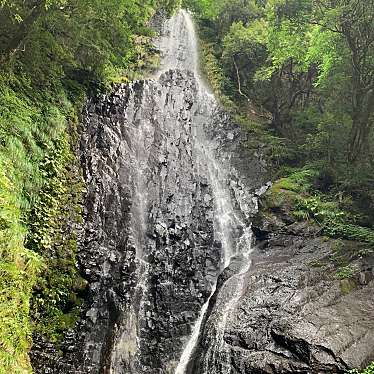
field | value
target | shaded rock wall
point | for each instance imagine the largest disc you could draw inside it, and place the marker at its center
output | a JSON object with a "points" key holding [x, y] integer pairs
{"points": [[150, 251]]}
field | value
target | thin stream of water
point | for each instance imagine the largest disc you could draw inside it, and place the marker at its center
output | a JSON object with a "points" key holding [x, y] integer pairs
{"points": [[230, 230], [179, 46]]}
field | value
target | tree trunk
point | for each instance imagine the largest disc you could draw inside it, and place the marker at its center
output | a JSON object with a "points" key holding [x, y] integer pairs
{"points": [[16, 40], [358, 142], [361, 127]]}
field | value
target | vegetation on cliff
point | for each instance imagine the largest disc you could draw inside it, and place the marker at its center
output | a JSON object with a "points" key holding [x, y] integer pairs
{"points": [[298, 73], [52, 54]]}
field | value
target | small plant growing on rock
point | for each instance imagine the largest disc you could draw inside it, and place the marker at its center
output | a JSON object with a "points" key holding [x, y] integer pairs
{"points": [[368, 370], [345, 272]]}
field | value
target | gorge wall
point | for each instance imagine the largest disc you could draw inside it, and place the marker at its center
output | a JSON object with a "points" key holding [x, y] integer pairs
{"points": [[167, 242]]}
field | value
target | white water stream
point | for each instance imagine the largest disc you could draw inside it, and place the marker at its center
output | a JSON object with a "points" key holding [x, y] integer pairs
{"points": [[178, 190], [180, 48]]}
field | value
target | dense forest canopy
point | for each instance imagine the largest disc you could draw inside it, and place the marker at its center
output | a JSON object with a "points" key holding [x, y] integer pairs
{"points": [[59, 36]]}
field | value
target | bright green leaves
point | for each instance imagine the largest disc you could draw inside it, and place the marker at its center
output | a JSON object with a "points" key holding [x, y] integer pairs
{"points": [[18, 270], [285, 42], [293, 36], [55, 37], [368, 370], [245, 35], [35, 199], [323, 51], [245, 46], [204, 8]]}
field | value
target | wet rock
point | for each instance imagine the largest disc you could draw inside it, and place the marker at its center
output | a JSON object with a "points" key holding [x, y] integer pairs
{"points": [[149, 249], [293, 317]]}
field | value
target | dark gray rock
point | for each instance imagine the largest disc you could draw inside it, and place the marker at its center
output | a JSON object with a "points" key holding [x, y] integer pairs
{"points": [[293, 314], [149, 249]]}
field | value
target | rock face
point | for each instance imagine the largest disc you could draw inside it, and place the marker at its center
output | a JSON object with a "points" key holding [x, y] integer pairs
{"points": [[150, 250], [171, 195], [160, 212], [293, 314], [169, 200]]}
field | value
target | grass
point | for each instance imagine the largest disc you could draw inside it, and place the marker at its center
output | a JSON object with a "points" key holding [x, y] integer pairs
{"points": [[19, 268], [35, 188]]}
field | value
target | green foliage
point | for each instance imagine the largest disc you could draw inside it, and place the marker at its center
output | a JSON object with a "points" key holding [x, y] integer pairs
{"points": [[287, 191], [307, 68], [345, 272], [321, 211], [334, 221], [34, 156], [368, 370], [19, 268], [297, 192], [213, 72], [56, 295], [98, 39], [298, 181], [349, 231]]}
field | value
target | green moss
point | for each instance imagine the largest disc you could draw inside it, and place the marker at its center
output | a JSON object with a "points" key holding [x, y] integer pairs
{"points": [[287, 192], [56, 207], [56, 322], [279, 198], [347, 286]]}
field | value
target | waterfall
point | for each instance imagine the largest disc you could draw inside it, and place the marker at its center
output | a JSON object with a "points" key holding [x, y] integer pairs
{"points": [[165, 246], [178, 44], [168, 211], [231, 230]]}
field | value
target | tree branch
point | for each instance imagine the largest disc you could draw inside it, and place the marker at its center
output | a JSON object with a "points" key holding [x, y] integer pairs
{"points": [[239, 83], [15, 42]]}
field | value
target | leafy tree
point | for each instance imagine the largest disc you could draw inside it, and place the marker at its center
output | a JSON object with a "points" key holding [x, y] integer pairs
{"points": [[329, 34], [353, 20], [309, 65]]}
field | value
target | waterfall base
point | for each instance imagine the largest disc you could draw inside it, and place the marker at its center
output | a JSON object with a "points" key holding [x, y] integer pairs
{"points": [[295, 316]]}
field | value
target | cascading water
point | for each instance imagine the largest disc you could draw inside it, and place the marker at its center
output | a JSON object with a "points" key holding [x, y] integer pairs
{"points": [[178, 45], [167, 212], [231, 231], [172, 188]]}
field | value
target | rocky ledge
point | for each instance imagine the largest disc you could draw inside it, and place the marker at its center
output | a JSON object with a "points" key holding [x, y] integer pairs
{"points": [[297, 313]]}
